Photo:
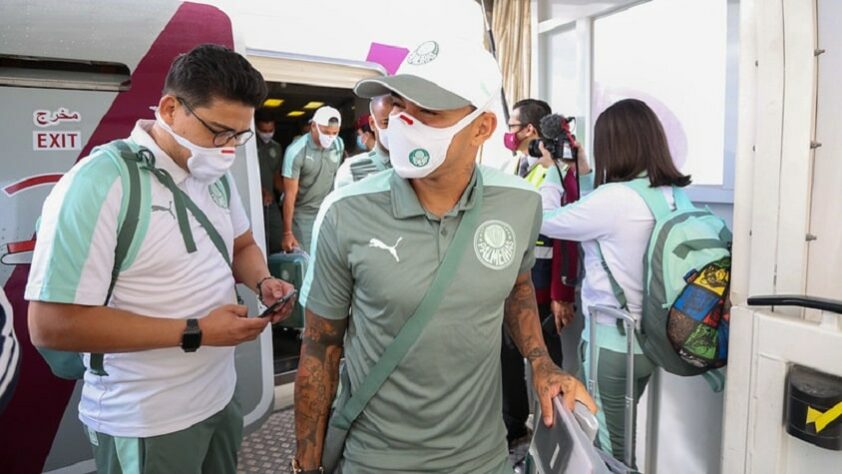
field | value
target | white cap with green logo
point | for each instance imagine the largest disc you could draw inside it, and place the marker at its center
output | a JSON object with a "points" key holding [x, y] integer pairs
{"points": [[441, 75]]}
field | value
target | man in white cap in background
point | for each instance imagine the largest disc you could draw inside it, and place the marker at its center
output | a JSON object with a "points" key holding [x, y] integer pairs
{"points": [[310, 165], [431, 259], [359, 166]]}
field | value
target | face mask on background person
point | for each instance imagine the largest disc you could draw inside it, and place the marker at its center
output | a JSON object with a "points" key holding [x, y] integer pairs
{"points": [[361, 143], [265, 136], [205, 164], [325, 140], [416, 149], [511, 141]]}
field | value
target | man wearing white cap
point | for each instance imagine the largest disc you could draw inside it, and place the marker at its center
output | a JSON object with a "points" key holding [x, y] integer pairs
{"points": [[310, 165], [431, 259]]}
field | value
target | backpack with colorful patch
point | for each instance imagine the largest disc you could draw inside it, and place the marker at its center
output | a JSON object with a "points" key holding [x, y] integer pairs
{"points": [[687, 265]]}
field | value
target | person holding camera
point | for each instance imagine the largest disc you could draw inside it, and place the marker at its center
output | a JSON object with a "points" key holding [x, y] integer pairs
{"points": [[614, 225], [556, 265]]}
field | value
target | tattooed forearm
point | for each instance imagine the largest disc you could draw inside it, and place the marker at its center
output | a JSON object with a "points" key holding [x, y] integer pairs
{"points": [[522, 321], [315, 385]]}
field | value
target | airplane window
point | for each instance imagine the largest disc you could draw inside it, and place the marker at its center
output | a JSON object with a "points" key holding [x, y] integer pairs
{"points": [[51, 73]]}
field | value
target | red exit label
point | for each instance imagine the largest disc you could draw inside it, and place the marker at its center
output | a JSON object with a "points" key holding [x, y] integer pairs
{"points": [[55, 141]]}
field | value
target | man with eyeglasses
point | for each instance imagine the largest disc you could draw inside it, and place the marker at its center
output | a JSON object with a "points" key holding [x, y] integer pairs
{"points": [[310, 164], [162, 396]]}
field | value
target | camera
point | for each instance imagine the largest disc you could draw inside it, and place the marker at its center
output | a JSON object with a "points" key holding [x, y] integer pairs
{"points": [[559, 148], [556, 137]]}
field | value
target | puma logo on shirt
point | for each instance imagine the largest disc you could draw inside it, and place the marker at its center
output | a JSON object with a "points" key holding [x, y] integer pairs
{"points": [[164, 209], [378, 244]]}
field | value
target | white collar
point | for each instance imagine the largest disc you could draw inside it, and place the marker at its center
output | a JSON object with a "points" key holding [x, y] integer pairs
{"points": [[141, 136]]}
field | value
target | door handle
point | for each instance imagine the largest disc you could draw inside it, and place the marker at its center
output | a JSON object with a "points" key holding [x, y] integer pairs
{"points": [[803, 301]]}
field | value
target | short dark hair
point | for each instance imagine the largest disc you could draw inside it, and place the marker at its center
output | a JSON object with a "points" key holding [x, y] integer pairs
{"points": [[629, 140], [532, 111], [263, 115], [211, 72]]}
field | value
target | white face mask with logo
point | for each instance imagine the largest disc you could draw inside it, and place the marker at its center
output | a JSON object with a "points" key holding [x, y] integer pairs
{"points": [[416, 149], [205, 164], [266, 136], [325, 140]]}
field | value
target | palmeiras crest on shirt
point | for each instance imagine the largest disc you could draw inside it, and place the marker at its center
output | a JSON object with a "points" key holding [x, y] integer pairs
{"points": [[494, 244], [217, 194], [424, 53], [419, 157]]}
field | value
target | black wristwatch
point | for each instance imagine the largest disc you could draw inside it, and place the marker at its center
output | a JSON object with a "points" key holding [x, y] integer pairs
{"points": [[191, 338]]}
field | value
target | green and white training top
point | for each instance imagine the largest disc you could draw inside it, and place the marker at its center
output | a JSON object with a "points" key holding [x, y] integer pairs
{"points": [[152, 392], [376, 251], [314, 168], [361, 166]]}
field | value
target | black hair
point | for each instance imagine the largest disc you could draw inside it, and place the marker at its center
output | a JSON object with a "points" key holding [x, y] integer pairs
{"points": [[263, 115], [532, 111], [629, 140], [211, 72]]}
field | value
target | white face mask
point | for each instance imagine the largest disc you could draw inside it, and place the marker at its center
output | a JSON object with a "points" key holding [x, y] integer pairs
{"points": [[416, 149], [325, 140], [382, 136], [266, 136], [205, 164]]}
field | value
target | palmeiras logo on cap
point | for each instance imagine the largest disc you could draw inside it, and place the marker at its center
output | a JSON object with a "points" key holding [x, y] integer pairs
{"points": [[217, 194], [494, 244], [419, 157], [424, 53]]}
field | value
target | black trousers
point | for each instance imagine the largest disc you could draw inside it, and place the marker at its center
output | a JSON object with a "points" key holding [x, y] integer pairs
{"points": [[515, 398]]}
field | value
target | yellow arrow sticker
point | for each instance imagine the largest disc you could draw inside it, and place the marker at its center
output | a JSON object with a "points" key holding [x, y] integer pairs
{"points": [[823, 419]]}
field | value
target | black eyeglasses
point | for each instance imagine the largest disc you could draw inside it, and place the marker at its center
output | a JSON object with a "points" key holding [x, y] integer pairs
{"points": [[515, 125], [221, 138]]}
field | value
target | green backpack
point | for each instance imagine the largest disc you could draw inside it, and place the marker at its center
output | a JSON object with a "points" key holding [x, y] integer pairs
{"points": [[70, 365], [684, 325]]}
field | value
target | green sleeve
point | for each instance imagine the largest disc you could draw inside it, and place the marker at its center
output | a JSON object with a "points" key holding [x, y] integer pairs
{"points": [[294, 158], [328, 285]]}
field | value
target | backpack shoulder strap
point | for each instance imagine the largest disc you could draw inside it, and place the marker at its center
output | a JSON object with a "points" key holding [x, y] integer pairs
{"points": [[654, 198], [615, 286], [200, 216], [227, 187], [682, 201], [128, 228], [132, 217]]}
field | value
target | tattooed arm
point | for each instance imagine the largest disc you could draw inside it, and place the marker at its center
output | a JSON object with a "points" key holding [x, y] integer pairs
{"points": [[521, 319], [315, 385]]}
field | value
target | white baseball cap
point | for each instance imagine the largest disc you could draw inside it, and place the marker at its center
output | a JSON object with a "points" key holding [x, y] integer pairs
{"points": [[325, 114], [441, 75]]}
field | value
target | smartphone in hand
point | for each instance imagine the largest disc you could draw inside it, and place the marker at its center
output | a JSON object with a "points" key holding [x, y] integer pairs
{"points": [[277, 305]]}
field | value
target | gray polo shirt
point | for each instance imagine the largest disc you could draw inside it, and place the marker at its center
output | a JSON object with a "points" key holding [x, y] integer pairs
{"points": [[376, 251], [314, 168], [269, 158]]}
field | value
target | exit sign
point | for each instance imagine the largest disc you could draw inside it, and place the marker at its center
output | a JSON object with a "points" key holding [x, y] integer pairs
{"points": [[56, 141]]}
